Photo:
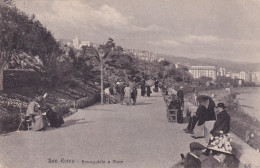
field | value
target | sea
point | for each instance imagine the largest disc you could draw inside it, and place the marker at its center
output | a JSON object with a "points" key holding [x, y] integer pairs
{"points": [[249, 100]]}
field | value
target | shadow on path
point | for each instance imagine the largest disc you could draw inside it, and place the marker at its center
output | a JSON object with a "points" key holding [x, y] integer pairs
{"points": [[100, 109], [141, 103], [73, 122]]}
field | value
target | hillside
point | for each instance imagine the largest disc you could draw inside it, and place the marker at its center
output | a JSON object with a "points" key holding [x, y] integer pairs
{"points": [[229, 65]]}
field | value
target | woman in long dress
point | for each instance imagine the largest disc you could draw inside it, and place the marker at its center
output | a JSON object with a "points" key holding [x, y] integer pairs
{"points": [[38, 121]]}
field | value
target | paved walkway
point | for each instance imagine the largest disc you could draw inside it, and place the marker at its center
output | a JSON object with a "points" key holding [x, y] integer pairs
{"points": [[125, 136]]}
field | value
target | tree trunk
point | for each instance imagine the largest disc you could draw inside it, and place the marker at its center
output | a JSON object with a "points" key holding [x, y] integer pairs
{"points": [[1, 78]]}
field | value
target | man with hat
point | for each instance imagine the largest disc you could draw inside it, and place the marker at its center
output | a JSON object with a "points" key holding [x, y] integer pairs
{"points": [[223, 121], [222, 124], [192, 159]]}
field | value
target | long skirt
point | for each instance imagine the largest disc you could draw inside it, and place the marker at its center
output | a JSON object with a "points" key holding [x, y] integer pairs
{"points": [[39, 123], [127, 100]]}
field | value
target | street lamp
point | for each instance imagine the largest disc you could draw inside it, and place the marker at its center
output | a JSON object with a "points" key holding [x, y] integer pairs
{"points": [[101, 54]]}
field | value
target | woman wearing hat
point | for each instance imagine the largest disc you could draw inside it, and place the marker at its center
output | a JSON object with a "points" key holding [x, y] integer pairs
{"points": [[39, 122], [222, 148]]}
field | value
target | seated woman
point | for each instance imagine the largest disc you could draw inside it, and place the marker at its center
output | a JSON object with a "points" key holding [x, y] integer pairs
{"points": [[38, 120]]}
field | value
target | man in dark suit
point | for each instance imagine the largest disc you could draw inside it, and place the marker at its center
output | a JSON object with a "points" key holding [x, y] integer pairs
{"points": [[192, 159], [223, 121], [222, 124]]}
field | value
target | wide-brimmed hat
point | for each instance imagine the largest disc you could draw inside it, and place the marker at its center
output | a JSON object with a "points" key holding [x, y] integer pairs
{"points": [[221, 105], [118, 83], [181, 87], [221, 143]]}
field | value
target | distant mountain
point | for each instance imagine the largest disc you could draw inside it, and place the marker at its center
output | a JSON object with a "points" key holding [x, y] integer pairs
{"points": [[229, 65]]}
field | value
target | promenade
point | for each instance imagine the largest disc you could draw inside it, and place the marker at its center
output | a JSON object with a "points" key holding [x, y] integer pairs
{"points": [[110, 135]]}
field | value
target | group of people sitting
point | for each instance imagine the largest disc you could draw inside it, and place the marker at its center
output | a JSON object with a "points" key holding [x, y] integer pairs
{"points": [[212, 123], [42, 115], [207, 117], [122, 93], [221, 156]]}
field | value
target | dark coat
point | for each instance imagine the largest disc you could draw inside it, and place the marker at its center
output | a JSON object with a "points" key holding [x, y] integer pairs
{"points": [[222, 123], [148, 90], [210, 115], [54, 118], [211, 162], [180, 95], [201, 113], [121, 89], [191, 162]]}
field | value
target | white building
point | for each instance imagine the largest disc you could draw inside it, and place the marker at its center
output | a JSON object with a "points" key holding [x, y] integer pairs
{"points": [[256, 77], [245, 76], [207, 71], [235, 75], [76, 42], [222, 71]]}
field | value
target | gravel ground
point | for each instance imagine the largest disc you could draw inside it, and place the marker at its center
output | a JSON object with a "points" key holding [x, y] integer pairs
{"points": [[110, 135]]}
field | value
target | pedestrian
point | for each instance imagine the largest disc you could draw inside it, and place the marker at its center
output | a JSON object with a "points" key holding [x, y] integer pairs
{"points": [[148, 91], [143, 88], [156, 85], [127, 96], [192, 159], [134, 93], [200, 118], [121, 92]]}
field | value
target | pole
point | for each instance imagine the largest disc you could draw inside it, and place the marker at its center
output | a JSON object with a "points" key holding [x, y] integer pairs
{"points": [[102, 90]]}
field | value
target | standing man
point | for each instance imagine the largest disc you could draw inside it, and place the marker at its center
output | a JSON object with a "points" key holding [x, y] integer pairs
{"points": [[156, 84], [148, 91], [143, 87], [200, 117], [192, 159], [121, 91], [180, 95]]}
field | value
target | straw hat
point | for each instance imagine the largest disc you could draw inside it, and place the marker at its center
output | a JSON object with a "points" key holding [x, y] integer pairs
{"points": [[221, 144]]}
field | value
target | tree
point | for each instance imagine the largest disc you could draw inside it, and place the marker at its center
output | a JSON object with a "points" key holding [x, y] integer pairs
{"points": [[22, 33]]}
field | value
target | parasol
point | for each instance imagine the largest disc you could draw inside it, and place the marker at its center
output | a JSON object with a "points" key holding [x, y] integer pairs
{"points": [[149, 82]]}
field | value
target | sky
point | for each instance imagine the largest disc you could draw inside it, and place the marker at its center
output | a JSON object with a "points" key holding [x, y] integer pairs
{"points": [[218, 29]]}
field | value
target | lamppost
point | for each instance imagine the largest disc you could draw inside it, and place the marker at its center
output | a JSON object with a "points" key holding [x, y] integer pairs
{"points": [[101, 54]]}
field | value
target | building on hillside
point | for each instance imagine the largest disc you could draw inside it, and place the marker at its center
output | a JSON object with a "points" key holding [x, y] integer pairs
{"points": [[245, 76], [76, 42], [256, 77], [234, 75], [228, 74], [222, 71], [161, 59], [207, 71], [141, 55]]}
